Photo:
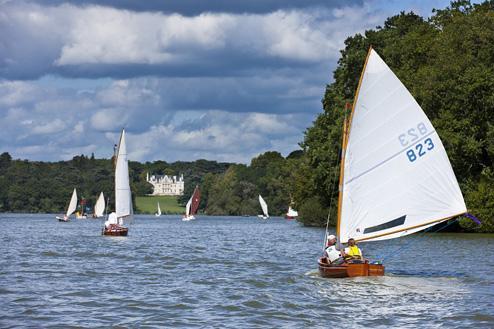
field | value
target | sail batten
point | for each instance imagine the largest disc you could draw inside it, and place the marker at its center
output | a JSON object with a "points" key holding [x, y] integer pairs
{"points": [[395, 170]]}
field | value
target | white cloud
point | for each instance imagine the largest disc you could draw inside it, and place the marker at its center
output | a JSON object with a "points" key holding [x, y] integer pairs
{"points": [[48, 127], [69, 39]]}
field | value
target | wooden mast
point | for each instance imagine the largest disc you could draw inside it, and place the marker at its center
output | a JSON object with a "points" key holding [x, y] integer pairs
{"points": [[346, 135]]}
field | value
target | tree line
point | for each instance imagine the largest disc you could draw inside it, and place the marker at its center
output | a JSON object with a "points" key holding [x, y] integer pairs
{"points": [[446, 62]]}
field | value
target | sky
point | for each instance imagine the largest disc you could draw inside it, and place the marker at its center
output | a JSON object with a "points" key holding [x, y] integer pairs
{"points": [[222, 80]]}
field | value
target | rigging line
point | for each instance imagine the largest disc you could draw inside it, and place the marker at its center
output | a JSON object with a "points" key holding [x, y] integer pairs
{"points": [[340, 152], [401, 249]]}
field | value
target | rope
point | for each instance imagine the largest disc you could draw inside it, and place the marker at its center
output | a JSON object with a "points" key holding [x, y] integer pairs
{"points": [[401, 249]]}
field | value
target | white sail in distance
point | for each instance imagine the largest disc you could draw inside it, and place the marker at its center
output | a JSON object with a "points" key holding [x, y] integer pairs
{"points": [[99, 207], [159, 210], [188, 206], [291, 212], [73, 204], [123, 196], [397, 178], [264, 206]]}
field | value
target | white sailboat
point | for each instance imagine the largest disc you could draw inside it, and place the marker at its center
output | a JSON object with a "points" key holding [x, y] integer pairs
{"points": [[264, 207], [192, 205], [158, 213], [395, 176], [99, 207], [71, 208], [123, 196], [291, 214]]}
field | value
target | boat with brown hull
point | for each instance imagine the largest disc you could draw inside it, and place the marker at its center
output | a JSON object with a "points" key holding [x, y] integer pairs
{"points": [[115, 230], [395, 175], [349, 270]]}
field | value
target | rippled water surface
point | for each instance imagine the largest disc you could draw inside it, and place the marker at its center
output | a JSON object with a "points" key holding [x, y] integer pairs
{"points": [[232, 272]]}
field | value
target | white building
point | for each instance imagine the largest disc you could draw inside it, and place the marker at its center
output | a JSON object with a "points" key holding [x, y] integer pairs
{"points": [[166, 185]]}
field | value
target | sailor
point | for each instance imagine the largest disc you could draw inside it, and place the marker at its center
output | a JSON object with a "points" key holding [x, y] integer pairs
{"points": [[353, 252], [333, 255], [112, 220]]}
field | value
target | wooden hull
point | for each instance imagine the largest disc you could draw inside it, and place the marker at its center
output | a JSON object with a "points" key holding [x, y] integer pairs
{"points": [[115, 230], [348, 270]]}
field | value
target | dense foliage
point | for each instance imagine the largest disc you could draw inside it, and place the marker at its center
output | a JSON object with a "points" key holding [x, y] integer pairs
{"points": [[447, 63], [27, 186]]}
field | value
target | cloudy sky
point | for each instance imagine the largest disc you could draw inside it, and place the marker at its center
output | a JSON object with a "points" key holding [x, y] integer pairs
{"points": [[222, 79]]}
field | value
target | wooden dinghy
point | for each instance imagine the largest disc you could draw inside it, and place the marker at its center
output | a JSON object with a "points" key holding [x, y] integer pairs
{"points": [[349, 270], [395, 175], [115, 230]]}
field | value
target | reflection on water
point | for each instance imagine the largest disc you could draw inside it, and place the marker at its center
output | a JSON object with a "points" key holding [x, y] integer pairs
{"points": [[232, 272]]}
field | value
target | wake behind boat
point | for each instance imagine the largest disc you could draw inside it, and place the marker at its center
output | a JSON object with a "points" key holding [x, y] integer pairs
{"points": [[70, 209], [395, 175], [123, 197]]}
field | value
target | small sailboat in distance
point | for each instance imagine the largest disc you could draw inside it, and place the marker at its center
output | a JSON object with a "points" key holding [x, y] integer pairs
{"points": [[264, 208], [158, 213], [99, 207], [123, 196], [291, 214], [192, 205], [395, 175], [71, 208]]}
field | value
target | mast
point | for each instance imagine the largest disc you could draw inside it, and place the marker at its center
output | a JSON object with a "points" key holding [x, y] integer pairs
{"points": [[346, 135]]}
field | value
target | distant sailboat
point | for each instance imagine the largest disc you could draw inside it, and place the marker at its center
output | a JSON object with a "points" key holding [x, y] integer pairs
{"points": [[123, 196], [99, 207], [395, 175], [192, 205], [81, 214], [264, 207], [291, 214], [72, 207], [158, 213]]}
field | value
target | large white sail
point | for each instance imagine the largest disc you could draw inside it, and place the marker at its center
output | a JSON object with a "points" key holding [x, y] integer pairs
{"points": [[264, 206], [99, 207], [397, 176], [73, 204], [123, 196]]}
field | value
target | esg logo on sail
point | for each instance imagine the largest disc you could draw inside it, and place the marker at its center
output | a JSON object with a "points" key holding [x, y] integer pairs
{"points": [[412, 135]]}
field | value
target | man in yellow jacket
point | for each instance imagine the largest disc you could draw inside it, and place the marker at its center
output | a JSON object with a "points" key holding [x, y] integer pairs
{"points": [[352, 251]]}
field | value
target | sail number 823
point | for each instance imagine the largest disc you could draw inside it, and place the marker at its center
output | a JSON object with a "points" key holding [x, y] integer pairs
{"points": [[420, 150]]}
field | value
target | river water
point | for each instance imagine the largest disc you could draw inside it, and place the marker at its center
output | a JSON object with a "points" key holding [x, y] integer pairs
{"points": [[233, 272]]}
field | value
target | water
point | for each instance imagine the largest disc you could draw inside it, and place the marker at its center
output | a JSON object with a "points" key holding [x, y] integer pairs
{"points": [[232, 272]]}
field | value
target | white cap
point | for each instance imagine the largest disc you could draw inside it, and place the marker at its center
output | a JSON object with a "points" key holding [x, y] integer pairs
{"points": [[331, 237]]}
